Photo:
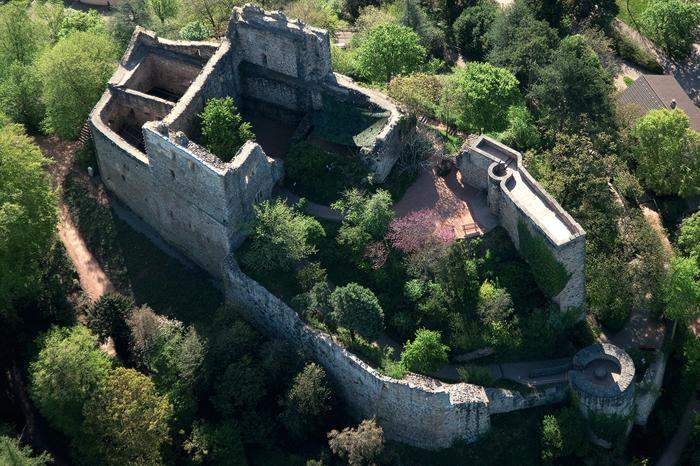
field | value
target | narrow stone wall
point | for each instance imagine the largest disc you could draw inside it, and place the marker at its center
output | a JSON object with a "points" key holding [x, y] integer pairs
{"points": [[418, 411]]}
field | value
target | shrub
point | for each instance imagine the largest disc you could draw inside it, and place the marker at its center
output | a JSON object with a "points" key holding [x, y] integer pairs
{"points": [[389, 50], [425, 353], [357, 309], [550, 274], [476, 375], [223, 128], [195, 30], [521, 132], [495, 304], [344, 61], [362, 445], [627, 49]]}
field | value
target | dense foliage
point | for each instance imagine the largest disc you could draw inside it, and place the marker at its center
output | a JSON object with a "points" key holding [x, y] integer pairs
{"points": [[223, 128], [389, 50], [672, 24]]}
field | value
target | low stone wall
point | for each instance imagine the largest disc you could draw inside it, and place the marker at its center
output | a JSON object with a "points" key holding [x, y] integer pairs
{"points": [[649, 389], [418, 411], [502, 400]]}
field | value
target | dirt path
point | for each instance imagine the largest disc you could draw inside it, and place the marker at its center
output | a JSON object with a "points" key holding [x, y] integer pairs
{"points": [[93, 279], [674, 450]]}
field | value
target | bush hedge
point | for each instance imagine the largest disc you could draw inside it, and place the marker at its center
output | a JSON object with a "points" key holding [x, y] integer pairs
{"points": [[549, 273]]}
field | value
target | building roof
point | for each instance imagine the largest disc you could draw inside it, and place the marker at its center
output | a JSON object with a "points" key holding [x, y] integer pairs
{"points": [[658, 91]]}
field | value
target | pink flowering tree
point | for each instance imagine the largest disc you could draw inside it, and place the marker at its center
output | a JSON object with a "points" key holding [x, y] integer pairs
{"points": [[418, 236]]}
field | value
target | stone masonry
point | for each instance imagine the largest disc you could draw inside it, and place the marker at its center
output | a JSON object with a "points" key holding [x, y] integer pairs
{"points": [[514, 196], [145, 125]]}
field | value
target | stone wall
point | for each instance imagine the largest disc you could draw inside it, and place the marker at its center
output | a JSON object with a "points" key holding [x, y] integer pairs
{"points": [[502, 400], [612, 395], [418, 411], [477, 169]]}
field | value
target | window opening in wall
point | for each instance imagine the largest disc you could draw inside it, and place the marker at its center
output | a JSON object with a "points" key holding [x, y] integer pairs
{"points": [[264, 59], [172, 174]]}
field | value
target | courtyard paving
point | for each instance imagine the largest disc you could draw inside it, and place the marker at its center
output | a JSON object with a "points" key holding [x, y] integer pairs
{"points": [[458, 205]]}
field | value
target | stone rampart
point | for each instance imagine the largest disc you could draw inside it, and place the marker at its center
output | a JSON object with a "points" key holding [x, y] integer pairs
{"points": [[418, 411], [516, 198], [502, 400]]}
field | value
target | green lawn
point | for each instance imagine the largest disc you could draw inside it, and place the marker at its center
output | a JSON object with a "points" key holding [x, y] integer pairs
{"points": [[630, 10]]}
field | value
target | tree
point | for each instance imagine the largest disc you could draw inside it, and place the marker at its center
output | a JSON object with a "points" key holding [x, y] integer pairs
{"points": [[357, 309], [74, 73], [412, 14], [573, 92], [65, 373], [218, 444], [599, 13], [126, 421], [389, 50], [195, 30], [28, 215], [459, 277], [280, 237], [12, 453], [107, 317], [682, 289], [521, 132], [419, 93], [21, 39], [307, 402], [689, 236], [564, 434], [476, 98], [128, 15], [223, 128], [667, 152], [426, 353], [521, 43], [20, 91], [74, 20], [495, 304], [315, 13], [365, 218], [417, 236], [472, 26], [163, 9], [672, 24], [214, 13], [360, 446]]}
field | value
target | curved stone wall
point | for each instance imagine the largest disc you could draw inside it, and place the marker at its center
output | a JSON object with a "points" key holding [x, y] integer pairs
{"points": [[603, 380]]}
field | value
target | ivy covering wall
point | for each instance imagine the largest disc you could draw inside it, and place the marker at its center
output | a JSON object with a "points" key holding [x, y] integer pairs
{"points": [[551, 276]]}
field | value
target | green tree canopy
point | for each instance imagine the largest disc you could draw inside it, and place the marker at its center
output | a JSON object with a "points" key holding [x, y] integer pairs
{"points": [[390, 50], [28, 215], [365, 218], [672, 24], [65, 373], [573, 92], [682, 289], [357, 309], [21, 39], [358, 446], [12, 453], [667, 152], [308, 402], [126, 421], [108, 315], [74, 73], [223, 128], [163, 9], [425, 353], [412, 14], [689, 236], [476, 98], [520, 42], [280, 237], [472, 26], [314, 13]]}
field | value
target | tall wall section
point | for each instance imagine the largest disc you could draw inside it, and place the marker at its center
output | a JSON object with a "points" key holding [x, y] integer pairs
{"points": [[478, 168]]}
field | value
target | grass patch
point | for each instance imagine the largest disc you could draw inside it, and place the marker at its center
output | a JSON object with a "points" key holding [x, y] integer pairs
{"points": [[346, 124], [135, 264], [628, 81], [631, 10], [319, 175]]}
